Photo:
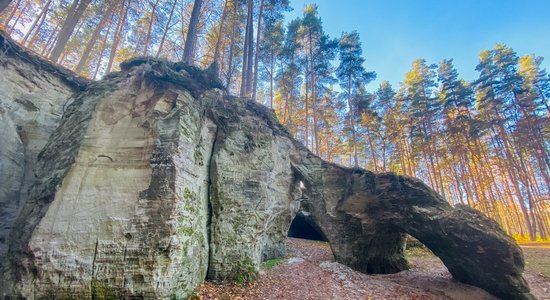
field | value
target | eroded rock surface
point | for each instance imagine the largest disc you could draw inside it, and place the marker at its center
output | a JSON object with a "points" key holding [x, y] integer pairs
{"points": [[376, 210], [32, 97], [154, 181]]}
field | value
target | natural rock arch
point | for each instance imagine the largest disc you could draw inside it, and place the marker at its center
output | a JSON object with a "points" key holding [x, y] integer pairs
{"points": [[302, 226], [375, 211]]}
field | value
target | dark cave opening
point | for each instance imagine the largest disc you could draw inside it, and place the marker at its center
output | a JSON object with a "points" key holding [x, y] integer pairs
{"points": [[303, 227]]}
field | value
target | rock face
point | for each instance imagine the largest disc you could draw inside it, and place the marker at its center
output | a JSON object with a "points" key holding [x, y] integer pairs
{"points": [[153, 182], [376, 210], [32, 98]]}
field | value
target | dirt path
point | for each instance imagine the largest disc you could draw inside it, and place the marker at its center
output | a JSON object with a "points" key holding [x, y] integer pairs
{"points": [[310, 272]]}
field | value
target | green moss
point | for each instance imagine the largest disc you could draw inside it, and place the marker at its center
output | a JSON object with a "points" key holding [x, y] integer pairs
{"points": [[185, 131], [110, 224], [272, 263], [101, 292], [200, 238], [197, 154], [189, 195], [244, 271], [232, 239], [186, 230]]}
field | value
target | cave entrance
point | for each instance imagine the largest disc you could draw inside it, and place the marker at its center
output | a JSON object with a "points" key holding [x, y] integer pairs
{"points": [[303, 227]]}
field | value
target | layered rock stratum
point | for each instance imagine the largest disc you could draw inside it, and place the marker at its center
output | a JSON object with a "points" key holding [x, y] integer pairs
{"points": [[150, 181]]}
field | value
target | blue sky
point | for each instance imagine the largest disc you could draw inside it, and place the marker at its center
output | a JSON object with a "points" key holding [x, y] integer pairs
{"points": [[395, 32]]}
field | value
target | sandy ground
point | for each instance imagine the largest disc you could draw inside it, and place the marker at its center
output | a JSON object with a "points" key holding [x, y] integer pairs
{"points": [[310, 272]]}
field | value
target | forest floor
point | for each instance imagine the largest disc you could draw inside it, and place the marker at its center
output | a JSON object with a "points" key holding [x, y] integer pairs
{"points": [[310, 272]]}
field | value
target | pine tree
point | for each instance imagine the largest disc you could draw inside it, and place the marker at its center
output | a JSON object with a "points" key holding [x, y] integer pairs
{"points": [[386, 109], [105, 17], [423, 108], [351, 72], [191, 38], [271, 50], [288, 77], [167, 27], [457, 99], [37, 24], [536, 81], [118, 34], [248, 47], [498, 84], [270, 12], [220, 36], [310, 32], [75, 13]]}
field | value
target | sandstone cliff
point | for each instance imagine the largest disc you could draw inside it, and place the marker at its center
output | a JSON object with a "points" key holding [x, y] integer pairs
{"points": [[32, 98], [153, 181]]}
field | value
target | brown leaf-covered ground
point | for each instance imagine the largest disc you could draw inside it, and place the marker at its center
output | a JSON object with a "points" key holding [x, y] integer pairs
{"points": [[310, 272]]}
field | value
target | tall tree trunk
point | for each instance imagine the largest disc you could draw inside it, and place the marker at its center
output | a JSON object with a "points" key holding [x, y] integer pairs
{"points": [[149, 29], [4, 4], [244, 73], [409, 154], [36, 33], [102, 48], [231, 46], [221, 64], [327, 142], [117, 35], [21, 12], [458, 173], [513, 176], [41, 17], [429, 173], [65, 51], [541, 95], [384, 151], [373, 154], [272, 69], [306, 77], [313, 95], [525, 178], [166, 28], [512, 164], [463, 164], [440, 175], [250, 63], [352, 125], [285, 104], [75, 13], [220, 34], [192, 33], [49, 44], [285, 112], [290, 103], [257, 53], [401, 157], [482, 155], [93, 39]]}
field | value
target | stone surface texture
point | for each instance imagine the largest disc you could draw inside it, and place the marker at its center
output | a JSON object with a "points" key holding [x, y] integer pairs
{"points": [[153, 181], [32, 99]]}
